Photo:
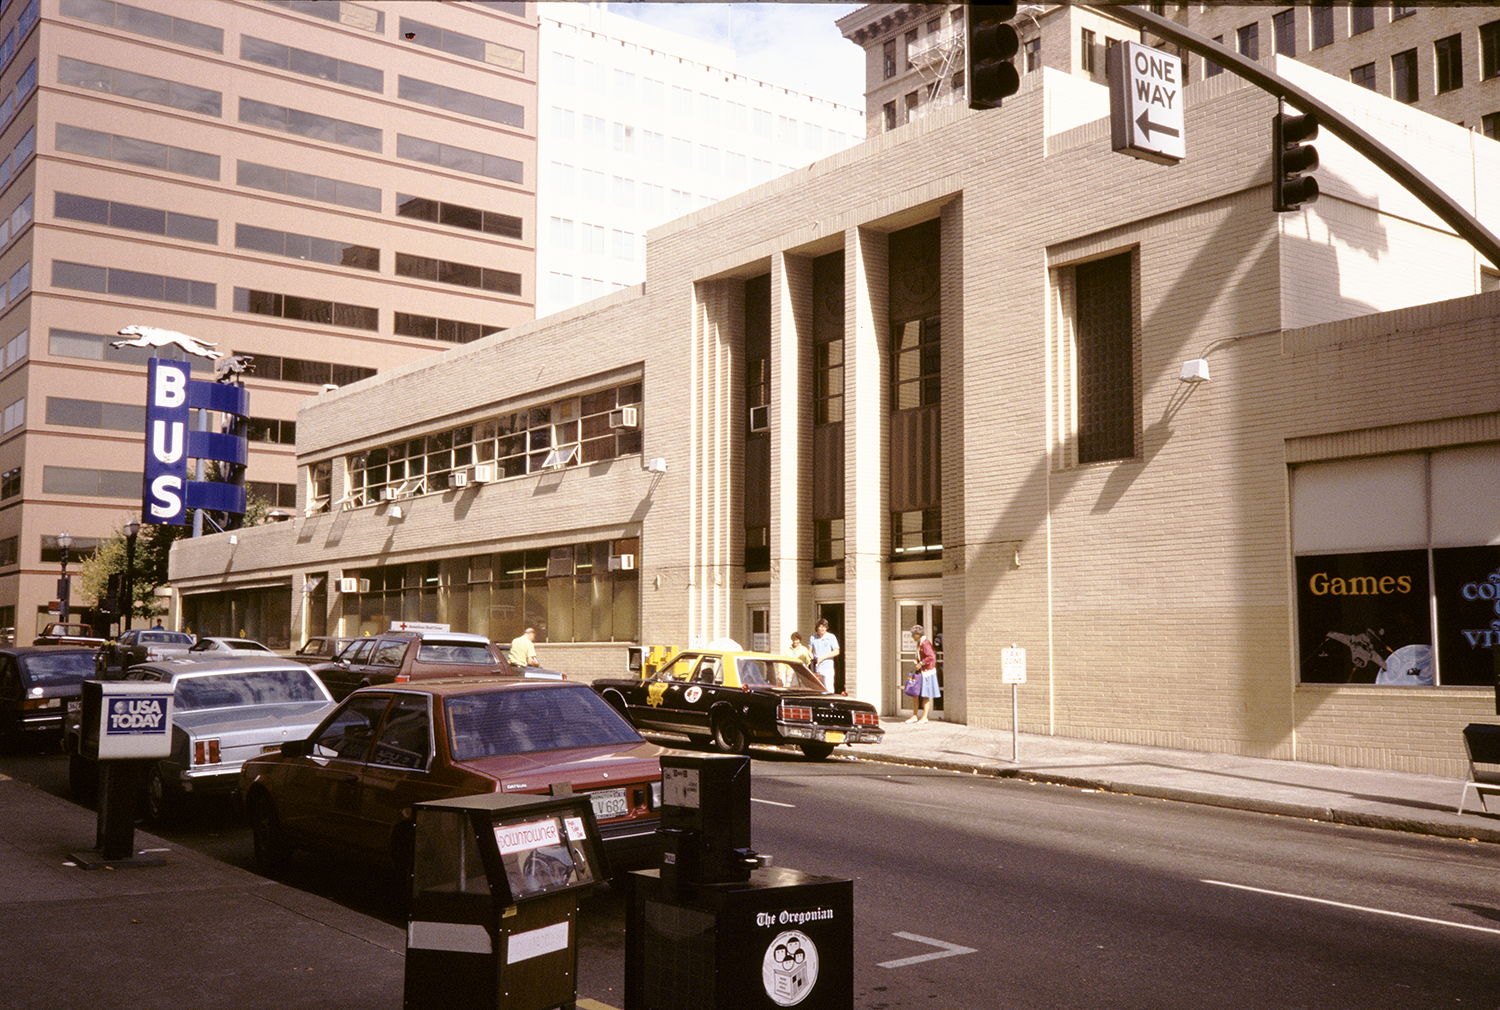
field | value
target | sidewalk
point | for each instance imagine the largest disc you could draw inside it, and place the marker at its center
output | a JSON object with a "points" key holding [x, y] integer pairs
{"points": [[1423, 804], [197, 932]]}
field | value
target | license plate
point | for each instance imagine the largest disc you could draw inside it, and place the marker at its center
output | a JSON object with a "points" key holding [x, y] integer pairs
{"points": [[833, 736], [75, 705], [609, 803], [270, 748]]}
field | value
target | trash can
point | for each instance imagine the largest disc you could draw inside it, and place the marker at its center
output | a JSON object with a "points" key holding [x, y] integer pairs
{"points": [[714, 927], [494, 901]]}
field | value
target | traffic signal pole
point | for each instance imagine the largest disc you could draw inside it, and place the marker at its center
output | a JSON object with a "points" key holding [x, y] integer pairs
{"points": [[1413, 181]]}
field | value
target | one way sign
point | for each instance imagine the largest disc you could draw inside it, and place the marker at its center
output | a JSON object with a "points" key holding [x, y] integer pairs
{"points": [[1145, 103]]}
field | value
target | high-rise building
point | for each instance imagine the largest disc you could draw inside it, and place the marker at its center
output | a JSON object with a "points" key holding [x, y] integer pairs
{"points": [[334, 189], [638, 125]]}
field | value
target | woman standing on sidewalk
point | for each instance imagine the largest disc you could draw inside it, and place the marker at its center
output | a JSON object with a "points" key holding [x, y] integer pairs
{"points": [[926, 670]]}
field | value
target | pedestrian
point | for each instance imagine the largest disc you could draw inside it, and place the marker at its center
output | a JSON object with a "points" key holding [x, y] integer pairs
{"points": [[522, 651], [824, 648], [798, 651], [927, 689]]}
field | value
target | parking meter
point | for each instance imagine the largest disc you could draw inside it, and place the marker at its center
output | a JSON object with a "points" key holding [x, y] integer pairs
{"points": [[494, 909]]}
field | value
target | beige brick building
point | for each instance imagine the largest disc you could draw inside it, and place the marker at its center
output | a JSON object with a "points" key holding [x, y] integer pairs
{"points": [[936, 379]]}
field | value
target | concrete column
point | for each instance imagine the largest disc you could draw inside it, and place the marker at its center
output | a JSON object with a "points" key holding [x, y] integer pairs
{"points": [[866, 460], [791, 446], [954, 423]]}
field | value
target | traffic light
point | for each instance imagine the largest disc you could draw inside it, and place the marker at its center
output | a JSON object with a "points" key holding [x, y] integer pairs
{"points": [[1292, 157], [991, 47]]}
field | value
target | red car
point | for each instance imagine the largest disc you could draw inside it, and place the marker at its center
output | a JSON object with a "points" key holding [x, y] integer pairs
{"points": [[349, 788]]}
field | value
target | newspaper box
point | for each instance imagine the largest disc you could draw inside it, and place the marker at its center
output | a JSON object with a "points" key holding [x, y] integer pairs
{"points": [[494, 910]]}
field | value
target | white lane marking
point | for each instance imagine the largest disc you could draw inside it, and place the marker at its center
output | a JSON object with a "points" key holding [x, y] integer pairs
{"points": [[948, 950], [773, 803], [1356, 908]]}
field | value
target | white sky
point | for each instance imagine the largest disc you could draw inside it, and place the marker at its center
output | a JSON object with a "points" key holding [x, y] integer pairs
{"points": [[795, 45]]}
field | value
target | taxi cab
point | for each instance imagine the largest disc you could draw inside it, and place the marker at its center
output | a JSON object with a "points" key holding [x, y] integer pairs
{"points": [[734, 698]]}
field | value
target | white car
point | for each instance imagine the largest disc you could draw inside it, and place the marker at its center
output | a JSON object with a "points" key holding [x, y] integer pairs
{"points": [[216, 647]]}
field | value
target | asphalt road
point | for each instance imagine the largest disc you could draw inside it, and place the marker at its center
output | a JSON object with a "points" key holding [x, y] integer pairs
{"points": [[977, 892]]}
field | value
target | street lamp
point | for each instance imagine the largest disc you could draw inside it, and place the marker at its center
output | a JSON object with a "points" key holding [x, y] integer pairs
{"points": [[64, 541], [127, 603]]}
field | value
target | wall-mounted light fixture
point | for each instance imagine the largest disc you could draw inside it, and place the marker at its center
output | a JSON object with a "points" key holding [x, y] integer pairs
{"points": [[656, 464], [1195, 370], [394, 512]]}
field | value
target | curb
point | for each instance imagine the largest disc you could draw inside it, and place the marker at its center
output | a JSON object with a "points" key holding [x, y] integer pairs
{"points": [[1279, 808]]}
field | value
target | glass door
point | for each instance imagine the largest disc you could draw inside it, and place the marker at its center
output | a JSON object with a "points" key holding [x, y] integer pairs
{"points": [[929, 614]]}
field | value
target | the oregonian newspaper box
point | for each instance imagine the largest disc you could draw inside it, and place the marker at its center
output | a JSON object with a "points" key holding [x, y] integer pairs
{"points": [[712, 929], [494, 909]]}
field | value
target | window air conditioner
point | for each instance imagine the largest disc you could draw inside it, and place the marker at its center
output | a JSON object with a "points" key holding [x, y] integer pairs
{"points": [[622, 562], [484, 473], [760, 418], [348, 585], [389, 493], [460, 478], [625, 417]]}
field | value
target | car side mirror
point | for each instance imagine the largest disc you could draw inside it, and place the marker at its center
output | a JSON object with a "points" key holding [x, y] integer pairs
{"points": [[296, 748]]}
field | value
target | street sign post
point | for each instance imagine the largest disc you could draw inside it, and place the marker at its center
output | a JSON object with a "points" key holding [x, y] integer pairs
{"points": [[1013, 672], [1145, 103]]}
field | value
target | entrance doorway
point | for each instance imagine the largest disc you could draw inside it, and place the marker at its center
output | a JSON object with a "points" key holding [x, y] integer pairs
{"points": [[833, 613], [929, 614]]}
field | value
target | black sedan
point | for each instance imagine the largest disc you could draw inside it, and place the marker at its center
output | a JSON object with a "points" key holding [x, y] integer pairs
{"points": [[36, 684], [738, 698]]}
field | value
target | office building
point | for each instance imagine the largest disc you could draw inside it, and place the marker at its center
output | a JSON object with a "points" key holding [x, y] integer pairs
{"points": [[1224, 474], [333, 189]]}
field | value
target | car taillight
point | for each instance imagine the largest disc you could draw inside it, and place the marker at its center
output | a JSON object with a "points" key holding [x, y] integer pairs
{"points": [[402, 678], [794, 713], [866, 718], [206, 752]]}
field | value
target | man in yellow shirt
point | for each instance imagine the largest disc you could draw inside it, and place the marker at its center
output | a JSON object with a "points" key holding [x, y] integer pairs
{"points": [[522, 652]]}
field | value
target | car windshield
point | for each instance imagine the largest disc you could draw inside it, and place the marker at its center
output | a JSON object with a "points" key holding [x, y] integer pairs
{"points": [[519, 721], [455, 652], [776, 673], [249, 687], [60, 667], [166, 637]]}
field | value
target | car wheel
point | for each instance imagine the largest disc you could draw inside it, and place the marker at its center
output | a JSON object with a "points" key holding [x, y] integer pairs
{"points": [[159, 805], [729, 735], [816, 751], [272, 850], [83, 778]]}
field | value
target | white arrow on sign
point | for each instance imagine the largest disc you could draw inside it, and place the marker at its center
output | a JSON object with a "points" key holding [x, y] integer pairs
{"points": [[948, 950]]}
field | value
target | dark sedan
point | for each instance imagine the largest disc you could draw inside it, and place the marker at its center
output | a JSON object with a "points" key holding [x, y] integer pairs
{"points": [[349, 788], [736, 698], [36, 684]]}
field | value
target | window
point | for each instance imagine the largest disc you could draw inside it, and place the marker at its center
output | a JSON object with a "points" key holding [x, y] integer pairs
{"points": [[1033, 49], [10, 483], [308, 310], [96, 347], [910, 44], [131, 151], [1364, 76], [1249, 41], [95, 414], [1489, 50], [312, 373], [911, 106], [1399, 11], [1322, 24], [306, 247], [458, 159], [131, 217], [127, 84], [447, 330], [465, 275], [465, 103], [138, 21], [458, 216], [1086, 50], [271, 430], [345, 13], [1393, 556], [132, 284], [1284, 27], [310, 125], [467, 46], [1105, 347], [1448, 55], [1404, 76], [310, 187], [94, 483], [888, 56], [310, 64], [890, 115], [1490, 125], [1361, 17], [1210, 68]]}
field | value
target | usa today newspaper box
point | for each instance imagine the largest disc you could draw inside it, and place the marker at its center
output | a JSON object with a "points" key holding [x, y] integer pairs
{"points": [[494, 910], [713, 930], [121, 725]]}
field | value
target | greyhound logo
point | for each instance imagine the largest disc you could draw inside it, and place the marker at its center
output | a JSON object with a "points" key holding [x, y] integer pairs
{"points": [[150, 336]]}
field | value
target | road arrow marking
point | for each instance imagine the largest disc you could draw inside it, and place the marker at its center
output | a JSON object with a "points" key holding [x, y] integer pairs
{"points": [[948, 950]]}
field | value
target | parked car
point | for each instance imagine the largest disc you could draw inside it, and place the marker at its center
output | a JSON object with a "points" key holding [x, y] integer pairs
{"points": [[348, 789], [224, 711], [144, 645], [320, 648], [404, 656], [213, 646], [736, 698], [36, 684], [68, 634]]}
